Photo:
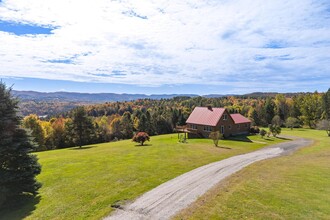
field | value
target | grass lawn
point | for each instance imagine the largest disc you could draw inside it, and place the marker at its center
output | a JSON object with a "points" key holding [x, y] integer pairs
{"points": [[290, 187], [84, 183]]}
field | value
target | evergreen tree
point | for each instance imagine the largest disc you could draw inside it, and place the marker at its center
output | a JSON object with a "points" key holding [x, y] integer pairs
{"points": [[162, 125], [69, 133], [82, 127], [269, 110], [181, 119], [143, 123], [127, 125], [18, 168], [150, 125], [253, 115], [175, 117]]}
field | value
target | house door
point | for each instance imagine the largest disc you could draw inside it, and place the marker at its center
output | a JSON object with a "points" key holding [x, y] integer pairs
{"points": [[222, 129]]}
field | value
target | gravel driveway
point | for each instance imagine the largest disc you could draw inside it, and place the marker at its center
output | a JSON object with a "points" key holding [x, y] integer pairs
{"points": [[170, 197]]}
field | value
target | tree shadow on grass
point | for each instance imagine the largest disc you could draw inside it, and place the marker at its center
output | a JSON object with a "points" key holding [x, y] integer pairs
{"points": [[283, 138], [239, 138], [19, 208], [144, 145], [82, 148], [224, 147]]}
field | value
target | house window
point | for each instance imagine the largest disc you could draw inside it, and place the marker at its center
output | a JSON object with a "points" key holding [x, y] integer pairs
{"points": [[207, 128], [245, 125], [193, 126], [238, 126], [229, 127], [225, 117], [222, 129]]}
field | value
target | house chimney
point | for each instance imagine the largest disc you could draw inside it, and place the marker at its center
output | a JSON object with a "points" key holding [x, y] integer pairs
{"points": [[209, 108]]}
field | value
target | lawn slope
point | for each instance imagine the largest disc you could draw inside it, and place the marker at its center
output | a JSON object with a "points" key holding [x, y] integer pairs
{"points": [[289, 187], [84, 183]]}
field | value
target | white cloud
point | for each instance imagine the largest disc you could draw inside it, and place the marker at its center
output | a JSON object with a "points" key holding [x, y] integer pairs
{"points": [[155, 42]]}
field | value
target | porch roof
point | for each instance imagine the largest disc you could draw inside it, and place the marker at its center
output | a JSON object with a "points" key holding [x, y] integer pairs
{"points": [[239, 119]]}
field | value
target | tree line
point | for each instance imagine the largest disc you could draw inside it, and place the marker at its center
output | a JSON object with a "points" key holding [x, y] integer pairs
{"points": [[120, 120]]}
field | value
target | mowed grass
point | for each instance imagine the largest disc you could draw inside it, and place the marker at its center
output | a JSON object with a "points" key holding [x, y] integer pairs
{"points": [[84, 183], [289, 187]]}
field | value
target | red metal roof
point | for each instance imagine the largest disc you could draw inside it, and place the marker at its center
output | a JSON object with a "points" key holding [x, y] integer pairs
{"points": [[238, 118], [205, 116]]}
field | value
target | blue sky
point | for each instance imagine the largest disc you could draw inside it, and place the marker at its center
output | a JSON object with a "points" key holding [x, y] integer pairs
{"points": [[158, 46]]}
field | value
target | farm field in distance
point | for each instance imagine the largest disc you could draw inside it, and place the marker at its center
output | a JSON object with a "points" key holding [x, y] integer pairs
{"points": [[296, 186], [84, 183]]}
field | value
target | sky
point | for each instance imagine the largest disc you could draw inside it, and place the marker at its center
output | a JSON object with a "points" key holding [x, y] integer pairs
{"points": [[165, 46]]}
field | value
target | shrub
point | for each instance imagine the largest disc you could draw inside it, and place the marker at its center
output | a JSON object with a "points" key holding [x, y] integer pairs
{"points": [[275, 129], [292, 122], [141, 137], [215, 136], [254, 130], [263, 132]]}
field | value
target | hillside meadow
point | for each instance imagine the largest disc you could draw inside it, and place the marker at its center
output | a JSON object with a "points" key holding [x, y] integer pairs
{"points": [[85, 183], [296, 186]]}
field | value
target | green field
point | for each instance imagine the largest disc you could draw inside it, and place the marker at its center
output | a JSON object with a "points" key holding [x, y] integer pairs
{"points": [[290, 187], [84, 183]]}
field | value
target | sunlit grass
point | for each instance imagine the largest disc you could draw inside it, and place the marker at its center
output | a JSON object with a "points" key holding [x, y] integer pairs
{"points": [[290, 187], [84, 183]]}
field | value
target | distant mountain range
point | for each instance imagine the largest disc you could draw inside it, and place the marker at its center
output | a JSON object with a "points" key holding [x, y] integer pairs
{"points": [[113, 97], [88, 97], [52, 103]]}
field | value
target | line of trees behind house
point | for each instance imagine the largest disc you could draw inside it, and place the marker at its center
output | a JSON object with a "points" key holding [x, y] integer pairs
{"points": [[120, 120]]}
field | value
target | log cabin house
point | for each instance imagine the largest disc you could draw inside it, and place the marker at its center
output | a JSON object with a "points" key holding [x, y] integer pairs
{"points": [[204, 120]]}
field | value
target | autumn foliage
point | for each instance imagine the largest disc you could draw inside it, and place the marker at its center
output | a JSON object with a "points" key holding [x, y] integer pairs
{"points": [[141, 137], [119, 120]]}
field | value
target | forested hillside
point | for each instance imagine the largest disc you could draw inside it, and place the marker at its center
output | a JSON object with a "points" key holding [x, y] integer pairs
{"points": [[48, 104], [51, 103], [119, 120], [47, 108]]}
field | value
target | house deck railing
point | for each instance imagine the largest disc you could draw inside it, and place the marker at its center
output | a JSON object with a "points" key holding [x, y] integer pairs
{"points": [[191, 130]]}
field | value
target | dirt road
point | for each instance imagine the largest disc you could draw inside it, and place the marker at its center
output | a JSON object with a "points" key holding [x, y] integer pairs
{"points": [[168, 198]]}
